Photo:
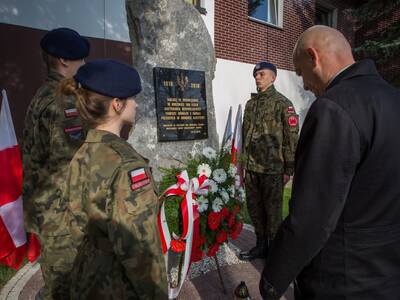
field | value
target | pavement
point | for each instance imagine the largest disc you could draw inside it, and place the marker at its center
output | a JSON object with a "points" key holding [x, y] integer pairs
{"points": [[28, 281]]}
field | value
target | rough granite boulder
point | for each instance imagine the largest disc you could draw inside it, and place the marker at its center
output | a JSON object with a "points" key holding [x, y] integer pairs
{"points": [[170, 34]]}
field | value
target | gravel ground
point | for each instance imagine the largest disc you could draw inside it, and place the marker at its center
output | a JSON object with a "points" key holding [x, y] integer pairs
{"points": [[227, 255]]}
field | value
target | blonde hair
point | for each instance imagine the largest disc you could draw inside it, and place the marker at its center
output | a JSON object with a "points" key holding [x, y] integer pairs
{"points": [[92, 107]]}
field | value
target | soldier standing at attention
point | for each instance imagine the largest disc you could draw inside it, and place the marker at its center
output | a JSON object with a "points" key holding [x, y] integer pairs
{"points": [[270, 132], [52, 133], [111, 193]]}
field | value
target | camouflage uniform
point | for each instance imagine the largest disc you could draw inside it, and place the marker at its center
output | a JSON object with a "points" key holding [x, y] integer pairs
{"points": [[120, 254], [270, 132], [52, 134]]}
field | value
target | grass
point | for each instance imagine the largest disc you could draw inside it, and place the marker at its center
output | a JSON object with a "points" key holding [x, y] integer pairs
{"points": [[5, 275]]}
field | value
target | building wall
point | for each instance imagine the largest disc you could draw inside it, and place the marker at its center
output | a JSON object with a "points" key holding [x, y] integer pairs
{"points": [[23, 24], [240, 39], [239, 43]]}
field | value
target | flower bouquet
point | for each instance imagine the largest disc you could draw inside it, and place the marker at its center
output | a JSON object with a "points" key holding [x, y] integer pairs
{"points": [[208, 194]]}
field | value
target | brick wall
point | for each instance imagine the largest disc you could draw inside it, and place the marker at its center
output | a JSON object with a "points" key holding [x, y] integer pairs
{"points": [[240, 39]]}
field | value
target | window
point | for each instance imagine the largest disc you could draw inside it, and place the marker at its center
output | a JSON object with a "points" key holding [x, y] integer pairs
{"points": [[325, 14], [197, 4], [266, 11]]}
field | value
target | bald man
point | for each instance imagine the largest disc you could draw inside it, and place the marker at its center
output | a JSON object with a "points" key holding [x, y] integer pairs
{"points": [[341, 239]]}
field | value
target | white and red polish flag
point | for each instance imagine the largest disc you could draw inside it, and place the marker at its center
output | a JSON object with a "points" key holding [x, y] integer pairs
{"points": [[13, 238], [227, 138], [237, 143]]}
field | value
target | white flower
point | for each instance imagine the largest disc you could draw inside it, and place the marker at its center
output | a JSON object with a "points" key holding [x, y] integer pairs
{"points": [[232, 170], [224, 195], [242, 195], [228, 146], [204, 169], [212, 186], [219, 175], [202, 204], [231, 190], [238, 181], [217, 204], [209, 153]]}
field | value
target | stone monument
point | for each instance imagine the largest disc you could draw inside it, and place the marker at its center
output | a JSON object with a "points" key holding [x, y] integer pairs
{"points": [[169, 34]]}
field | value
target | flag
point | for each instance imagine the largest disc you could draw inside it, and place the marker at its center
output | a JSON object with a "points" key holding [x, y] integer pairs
{"points": [[237, 143], [13, 239], [227, 139]]}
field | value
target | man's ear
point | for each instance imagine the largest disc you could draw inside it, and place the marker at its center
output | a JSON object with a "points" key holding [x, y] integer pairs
{"points": [[313, 55]]}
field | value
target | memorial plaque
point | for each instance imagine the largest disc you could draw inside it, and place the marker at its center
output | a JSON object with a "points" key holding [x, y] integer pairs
{"points": [[181, 104]]}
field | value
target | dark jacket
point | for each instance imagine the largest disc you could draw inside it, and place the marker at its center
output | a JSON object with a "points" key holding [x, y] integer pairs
{"points": [[342, 236]]}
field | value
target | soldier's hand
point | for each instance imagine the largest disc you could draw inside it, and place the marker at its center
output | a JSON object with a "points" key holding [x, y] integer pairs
{"points": [[286, 179]]}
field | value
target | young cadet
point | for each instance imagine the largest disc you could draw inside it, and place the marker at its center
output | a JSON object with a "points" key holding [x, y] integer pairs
{"points": [[52, 133], [111, 193]]}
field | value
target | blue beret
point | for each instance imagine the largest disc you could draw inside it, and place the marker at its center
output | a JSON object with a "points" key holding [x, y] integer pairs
{"points": [[264, 65], [109, 78], [65, 43]]}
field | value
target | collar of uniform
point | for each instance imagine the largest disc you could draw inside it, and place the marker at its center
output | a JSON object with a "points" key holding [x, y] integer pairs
{"points": [[267, 93], [54, 76], [97, 136]]}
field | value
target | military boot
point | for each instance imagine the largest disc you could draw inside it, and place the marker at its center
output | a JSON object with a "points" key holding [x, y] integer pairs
{"points": [[259, 251]]}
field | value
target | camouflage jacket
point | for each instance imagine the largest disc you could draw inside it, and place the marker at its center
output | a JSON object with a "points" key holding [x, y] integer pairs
{"points": [[270, 133], [112, 198], [52, 134]]}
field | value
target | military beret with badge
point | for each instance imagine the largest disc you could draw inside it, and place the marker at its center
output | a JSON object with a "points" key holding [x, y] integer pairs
{"points": [[263, 65], [65, 43]]}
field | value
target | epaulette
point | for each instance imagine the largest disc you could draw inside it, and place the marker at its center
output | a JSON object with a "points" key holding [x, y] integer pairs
{"points": [[125, 150]]}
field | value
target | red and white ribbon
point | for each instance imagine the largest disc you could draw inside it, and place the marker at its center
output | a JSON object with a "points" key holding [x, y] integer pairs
{"points": [[187, 189]]}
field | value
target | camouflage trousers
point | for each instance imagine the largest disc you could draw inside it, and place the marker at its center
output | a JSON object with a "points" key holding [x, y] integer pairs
{"points": [[264, 195], [56, 262]]}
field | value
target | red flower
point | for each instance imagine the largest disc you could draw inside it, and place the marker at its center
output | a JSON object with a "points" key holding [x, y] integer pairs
{"points": [[214, 219], [231, 220], [199, 242], [236, 230], [197, 255], [224, 212], [213, 250], [178, 246], [236, 209], [222, 236]]}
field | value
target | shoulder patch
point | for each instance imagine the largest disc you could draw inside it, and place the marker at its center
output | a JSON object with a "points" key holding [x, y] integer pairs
{"points": [[138, 178], [292, 121], [75, 133], [71, 112], [290, 110]]}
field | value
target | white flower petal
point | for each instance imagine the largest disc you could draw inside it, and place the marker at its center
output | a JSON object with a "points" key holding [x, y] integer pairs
{"points": [[219, 175]]}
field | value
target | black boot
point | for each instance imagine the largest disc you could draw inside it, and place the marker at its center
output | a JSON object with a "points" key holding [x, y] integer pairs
{"points": [[259, 251]]}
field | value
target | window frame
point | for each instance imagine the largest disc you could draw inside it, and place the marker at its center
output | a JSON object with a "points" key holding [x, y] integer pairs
{"points": [[332, 10], [279, 15]]}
